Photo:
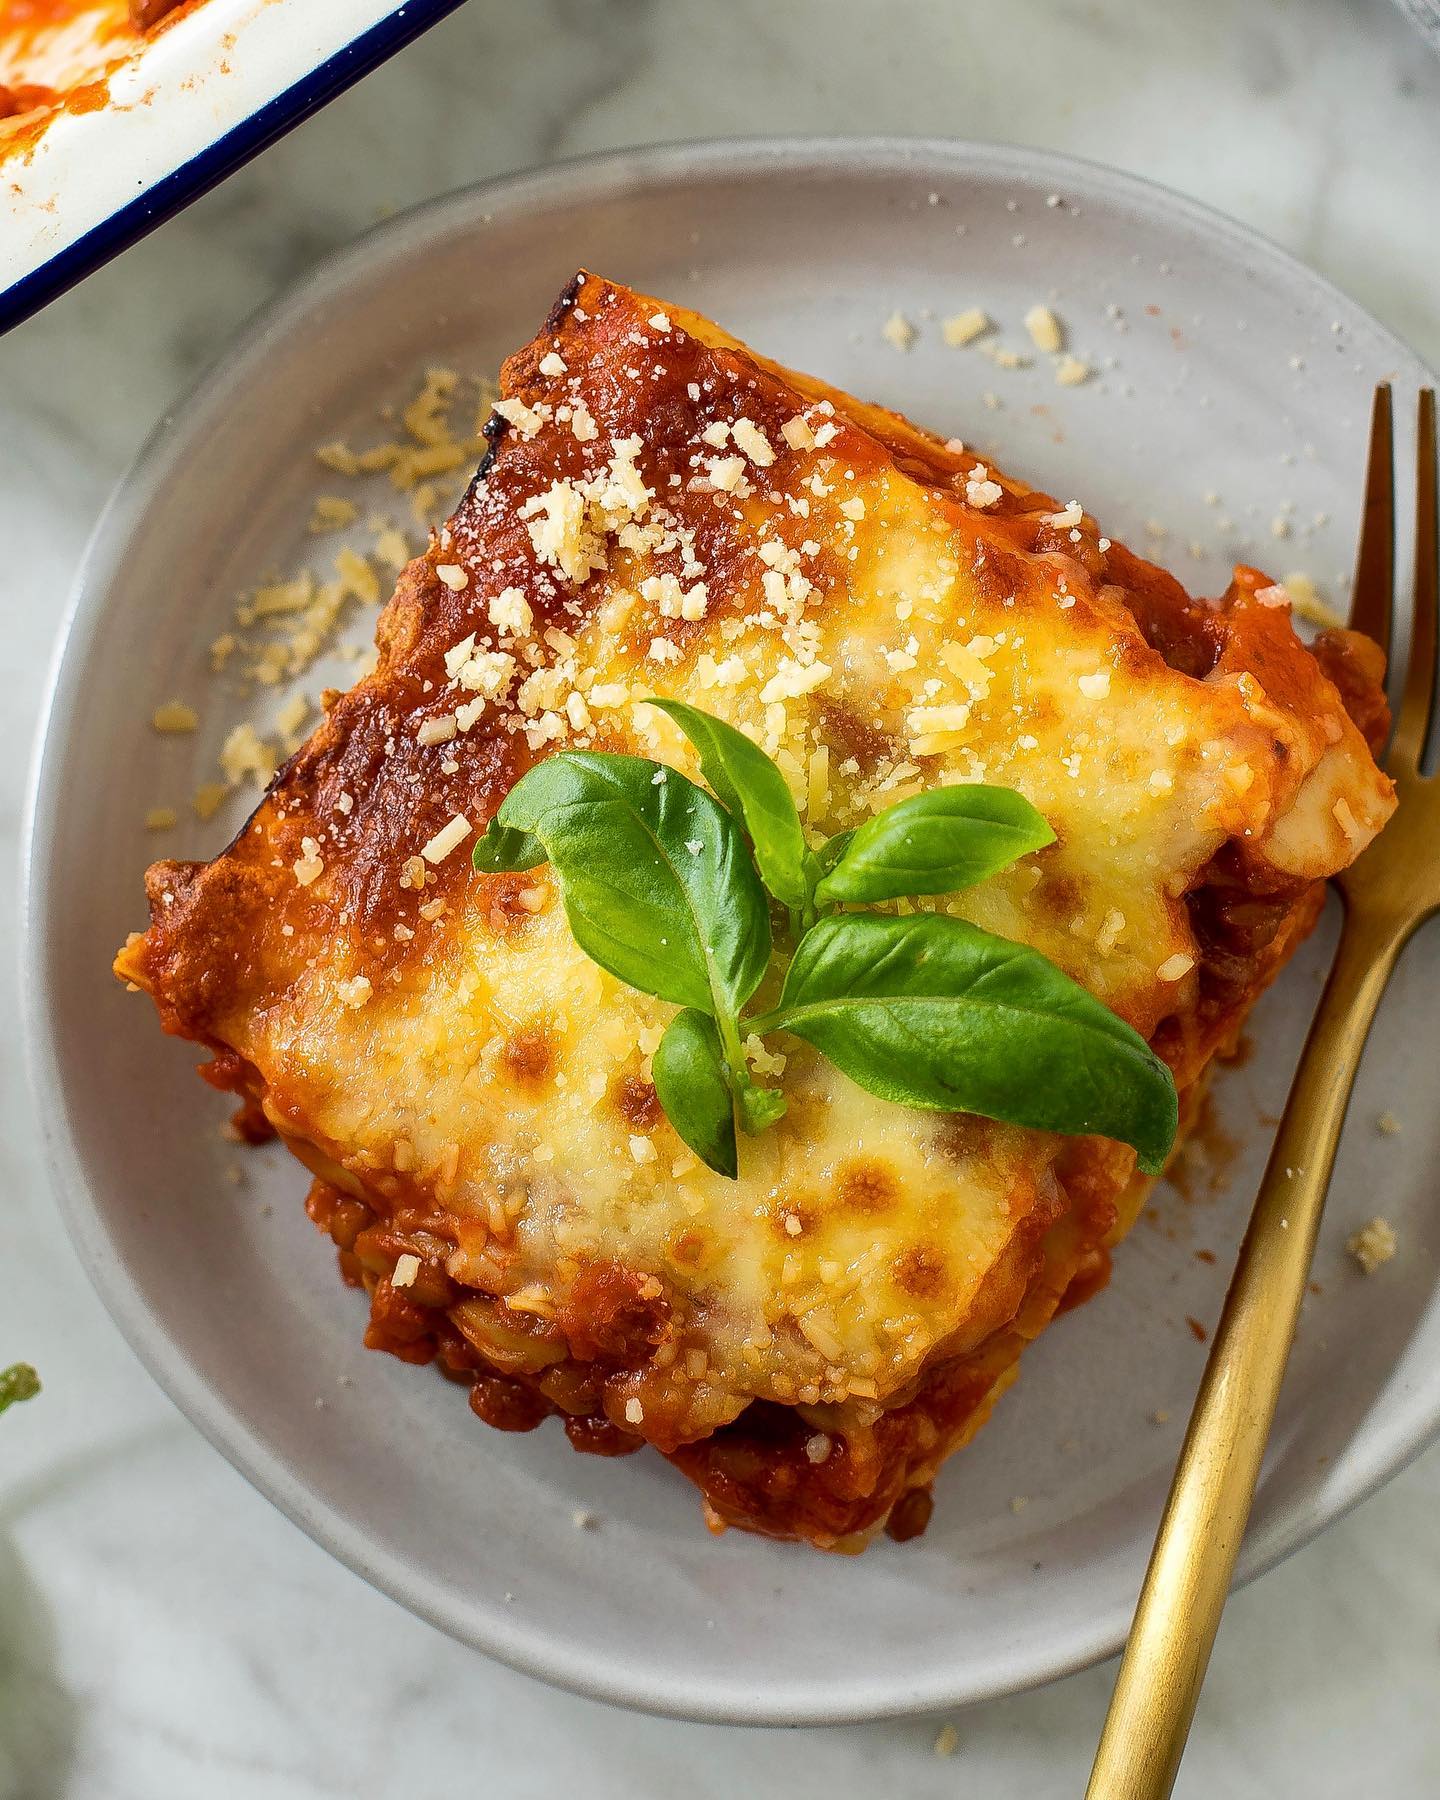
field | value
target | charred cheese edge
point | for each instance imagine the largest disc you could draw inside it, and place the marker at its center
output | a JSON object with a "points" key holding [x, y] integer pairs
{"points": [[663, 512]]}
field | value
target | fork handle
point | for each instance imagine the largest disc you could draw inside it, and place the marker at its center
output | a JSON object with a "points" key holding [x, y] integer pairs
{"points": [[1199, 1538]]}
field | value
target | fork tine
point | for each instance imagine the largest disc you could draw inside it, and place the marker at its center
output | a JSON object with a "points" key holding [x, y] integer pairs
{"points": [[1372, 600], [1419, 697]]}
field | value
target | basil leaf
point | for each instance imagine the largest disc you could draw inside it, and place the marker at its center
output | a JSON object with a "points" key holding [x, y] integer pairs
{"points": [[932, 1011], [935, 843], [755, 791], [18, 1382], [760, 1107], [654, 875], [503, 849], [688, 1070], [832, 850]]}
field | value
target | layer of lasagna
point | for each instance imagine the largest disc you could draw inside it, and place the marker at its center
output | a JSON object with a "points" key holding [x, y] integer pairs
{"points": [[663, 512], [59, 53]]}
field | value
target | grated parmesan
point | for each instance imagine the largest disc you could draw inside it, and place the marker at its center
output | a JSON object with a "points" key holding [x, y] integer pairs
{"points": [[964, 327], [1045, 330], [446, 839], [174, 718]]}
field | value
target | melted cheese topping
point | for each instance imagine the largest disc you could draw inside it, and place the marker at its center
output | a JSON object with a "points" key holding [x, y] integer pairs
{"points": [[665, 514]]}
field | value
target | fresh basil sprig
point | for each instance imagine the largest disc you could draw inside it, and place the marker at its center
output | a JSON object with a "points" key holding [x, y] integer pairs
{"points": [[666, 886], [656, 881]]}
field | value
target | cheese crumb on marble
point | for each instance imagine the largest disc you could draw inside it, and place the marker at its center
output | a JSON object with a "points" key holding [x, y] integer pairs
{"points": [[1071, 371]]}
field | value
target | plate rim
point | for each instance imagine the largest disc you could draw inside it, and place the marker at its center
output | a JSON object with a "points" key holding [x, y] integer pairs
{"points": [[538, 1653]]}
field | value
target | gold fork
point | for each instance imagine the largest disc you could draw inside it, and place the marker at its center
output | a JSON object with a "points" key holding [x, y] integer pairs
{"points": [[1390, 890]]}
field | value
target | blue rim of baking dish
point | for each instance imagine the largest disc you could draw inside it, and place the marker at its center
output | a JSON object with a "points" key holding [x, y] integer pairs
{"points": [[172, 192]]}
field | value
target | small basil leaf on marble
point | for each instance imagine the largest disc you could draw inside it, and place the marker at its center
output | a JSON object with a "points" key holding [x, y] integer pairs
{"points": [[755, 792], [654, 874], [18, 1382], [688, 1069], [935, 843], [931, 1011]]}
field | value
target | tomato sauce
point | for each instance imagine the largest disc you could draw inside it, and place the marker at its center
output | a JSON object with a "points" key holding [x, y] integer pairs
{"points": [[58, 55]]}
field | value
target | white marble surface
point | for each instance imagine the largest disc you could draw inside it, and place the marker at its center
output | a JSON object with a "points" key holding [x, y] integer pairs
{"points": [[162, 1631]]}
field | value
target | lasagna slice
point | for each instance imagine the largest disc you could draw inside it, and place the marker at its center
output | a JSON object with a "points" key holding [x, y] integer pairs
{"points": [[663, 512]]}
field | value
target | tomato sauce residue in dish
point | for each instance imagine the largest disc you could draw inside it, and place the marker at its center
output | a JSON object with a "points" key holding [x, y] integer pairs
{"points": [[57, 56]]}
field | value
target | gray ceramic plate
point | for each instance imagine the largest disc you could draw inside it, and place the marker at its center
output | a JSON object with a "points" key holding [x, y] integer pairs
{"points": [[1230, 370]]}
